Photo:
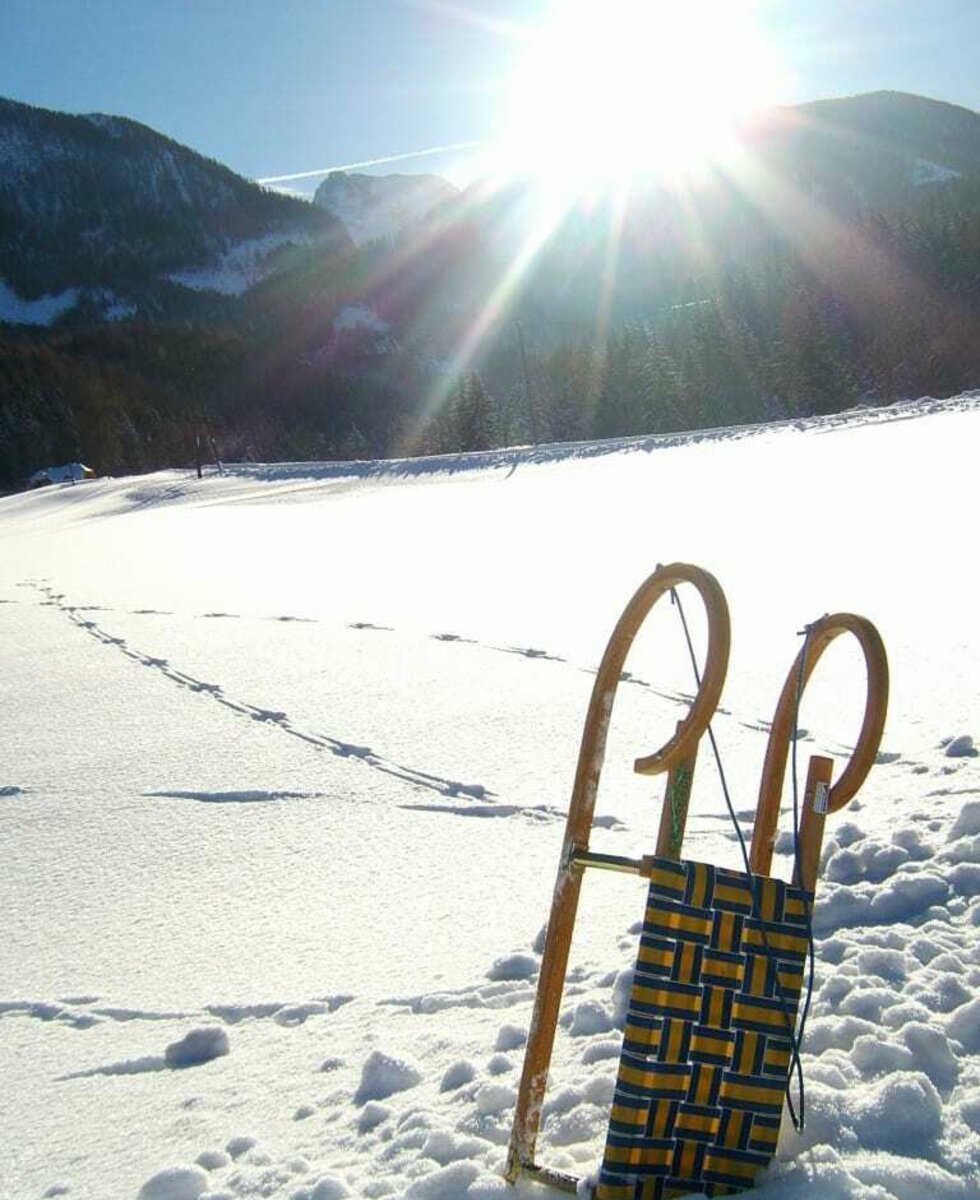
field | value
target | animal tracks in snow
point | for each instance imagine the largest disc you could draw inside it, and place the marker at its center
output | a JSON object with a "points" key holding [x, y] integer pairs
{"points": [[274, 717], [129, 1066], [243, 797], [82, 1012], [539, 812], [532, 653], [504, 994], [471, 799]]}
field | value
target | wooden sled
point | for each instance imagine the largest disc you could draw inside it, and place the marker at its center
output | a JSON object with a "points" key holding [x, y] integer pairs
{"points": [[709, 1040]]}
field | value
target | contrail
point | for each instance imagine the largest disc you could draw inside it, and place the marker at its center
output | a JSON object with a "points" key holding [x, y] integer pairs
{"points": [[371, 162]]}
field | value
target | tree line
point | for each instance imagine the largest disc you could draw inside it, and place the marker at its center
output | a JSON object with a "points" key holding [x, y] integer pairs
{"points": [[880, 308]]}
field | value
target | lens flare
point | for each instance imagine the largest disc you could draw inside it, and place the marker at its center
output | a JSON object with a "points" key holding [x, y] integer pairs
{"points": [[622, 87]]}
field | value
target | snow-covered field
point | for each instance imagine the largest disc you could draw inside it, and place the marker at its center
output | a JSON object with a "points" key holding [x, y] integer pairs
{"points": [[285, 758]]}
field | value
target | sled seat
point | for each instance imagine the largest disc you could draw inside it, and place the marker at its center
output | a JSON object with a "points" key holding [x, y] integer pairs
{"points": [[708, 1039]]}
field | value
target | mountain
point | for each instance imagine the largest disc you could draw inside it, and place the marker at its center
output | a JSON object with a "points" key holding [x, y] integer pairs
{"points": [[381, 206], [804, 181], [834, 261], [867, 149], [105, 215]]}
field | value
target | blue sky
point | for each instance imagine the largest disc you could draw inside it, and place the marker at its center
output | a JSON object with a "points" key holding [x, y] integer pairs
{"points": [[272, 87]]}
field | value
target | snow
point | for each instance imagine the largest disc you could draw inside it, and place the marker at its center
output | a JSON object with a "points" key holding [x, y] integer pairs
{"points": [[115, 127], [381, 206], [961, 747], [967, 822], [116, 308], [198, 1046], [458, 1074], [382, 1075], [45, 310], [240, 267], [925, 172], [284, 779], [359, 316], [514, 966], [175, 1183]]}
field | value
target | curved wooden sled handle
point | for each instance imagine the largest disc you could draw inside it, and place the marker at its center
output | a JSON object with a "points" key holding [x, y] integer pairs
{"points": [[554, 961], [821, 634], [688, 733]]}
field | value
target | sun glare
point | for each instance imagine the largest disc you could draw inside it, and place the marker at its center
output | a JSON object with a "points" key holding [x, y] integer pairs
{"points": [[607, 89]]}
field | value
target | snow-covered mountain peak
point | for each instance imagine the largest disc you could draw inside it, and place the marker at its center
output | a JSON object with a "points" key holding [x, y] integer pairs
{"points": [[381, 206]]}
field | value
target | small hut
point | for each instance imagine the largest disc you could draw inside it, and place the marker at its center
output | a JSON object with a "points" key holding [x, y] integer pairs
{"points": [[69, 473]]}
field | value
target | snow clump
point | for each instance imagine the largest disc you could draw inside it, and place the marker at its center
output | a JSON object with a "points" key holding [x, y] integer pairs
{"points": [[175, 1183], [237, 1146], [449, 1183], [967, 823], [201, 1045], [514, 966], [328, 1187], [510, 1037], [212, 1160], [589, 1018], [460, 1073], [964, 1025], [382, 1076], [372, 1115], [961, 747], [493, 1098]]}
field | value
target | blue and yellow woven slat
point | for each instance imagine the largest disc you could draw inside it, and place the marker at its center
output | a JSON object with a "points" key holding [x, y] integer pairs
{"points": [[707, 1045]]}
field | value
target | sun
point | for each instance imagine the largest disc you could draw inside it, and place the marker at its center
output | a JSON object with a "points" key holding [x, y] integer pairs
{"points": [[608, 89]]}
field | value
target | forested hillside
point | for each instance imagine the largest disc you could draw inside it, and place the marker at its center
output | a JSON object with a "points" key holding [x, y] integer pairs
{"points": [[102, 202], [736, 301]]}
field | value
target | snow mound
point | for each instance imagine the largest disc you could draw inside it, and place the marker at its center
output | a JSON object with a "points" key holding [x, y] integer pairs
{"points": [[514, 966], [449, 1183], [382, 1075], [963, 1024], [967, 823], [372, 1115], [212, 1160], [510, 1037], [495, 1098], [330, 1187], [199, 1046], [239, 1146], [458, 1074], [175, 1183], [961, 747], [589, 1018]]}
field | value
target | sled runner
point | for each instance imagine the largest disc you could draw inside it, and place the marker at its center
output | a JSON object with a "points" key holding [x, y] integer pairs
{"points": [[710, 1039]]}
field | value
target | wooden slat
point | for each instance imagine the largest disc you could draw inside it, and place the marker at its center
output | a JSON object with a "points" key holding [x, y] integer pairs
{"points": [[821, 634], [807, 867], [564, 904]]}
